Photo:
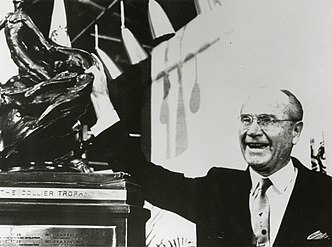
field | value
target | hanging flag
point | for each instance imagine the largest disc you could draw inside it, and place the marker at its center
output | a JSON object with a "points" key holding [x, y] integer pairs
{"points": [[135, 52], [58, 29], [112, 70], [160, 26]]}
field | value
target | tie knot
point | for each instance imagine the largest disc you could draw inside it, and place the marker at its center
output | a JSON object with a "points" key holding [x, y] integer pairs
{"points": [[264, 184]]}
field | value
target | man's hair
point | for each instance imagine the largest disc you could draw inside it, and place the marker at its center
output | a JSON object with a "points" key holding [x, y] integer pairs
{"points": [[295, 110]]}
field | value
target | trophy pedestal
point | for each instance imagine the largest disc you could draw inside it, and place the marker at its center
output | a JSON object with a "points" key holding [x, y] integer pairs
{"points": [[70, 209]]}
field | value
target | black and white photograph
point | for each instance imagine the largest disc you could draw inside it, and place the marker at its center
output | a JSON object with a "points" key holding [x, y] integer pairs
{"points": [[165, 123]]}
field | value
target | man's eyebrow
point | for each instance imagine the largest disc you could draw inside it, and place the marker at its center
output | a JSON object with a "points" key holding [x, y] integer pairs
{"points": [[259, 115], [266, 115]]}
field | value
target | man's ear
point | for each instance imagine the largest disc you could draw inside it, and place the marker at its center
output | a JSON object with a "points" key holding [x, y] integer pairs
{"points": [[296, 132]]}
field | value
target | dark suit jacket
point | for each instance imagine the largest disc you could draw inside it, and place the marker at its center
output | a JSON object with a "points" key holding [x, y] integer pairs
{"points": [[219, 202]]}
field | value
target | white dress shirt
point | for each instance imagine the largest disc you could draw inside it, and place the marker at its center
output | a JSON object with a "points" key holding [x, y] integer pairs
{"points": [[278, 194]]}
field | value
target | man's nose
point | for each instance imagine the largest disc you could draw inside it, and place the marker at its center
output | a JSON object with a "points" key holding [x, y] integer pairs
{"points": [[254, 129]]}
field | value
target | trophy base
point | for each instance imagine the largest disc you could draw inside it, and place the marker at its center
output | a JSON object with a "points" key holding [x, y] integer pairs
{"points": [[70, 209], [71, 165]]}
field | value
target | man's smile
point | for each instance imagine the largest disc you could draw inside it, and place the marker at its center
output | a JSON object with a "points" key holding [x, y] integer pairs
{"points": [[257, 145]]}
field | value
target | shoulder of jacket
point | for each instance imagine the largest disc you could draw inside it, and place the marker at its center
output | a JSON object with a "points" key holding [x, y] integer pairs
{"points": [[222, 171]]}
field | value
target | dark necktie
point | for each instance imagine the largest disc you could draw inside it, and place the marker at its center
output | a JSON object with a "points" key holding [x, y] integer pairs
{"points": [[261, 214]]}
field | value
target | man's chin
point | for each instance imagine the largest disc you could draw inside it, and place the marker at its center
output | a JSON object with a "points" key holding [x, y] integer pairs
{"points": [[257, 164]]}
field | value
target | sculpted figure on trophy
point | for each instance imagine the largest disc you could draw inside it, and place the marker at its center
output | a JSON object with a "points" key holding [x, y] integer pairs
{"points": [[40, 107]]}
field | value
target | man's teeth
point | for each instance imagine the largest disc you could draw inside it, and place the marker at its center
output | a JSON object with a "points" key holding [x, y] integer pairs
{"points": [[257, 145]]}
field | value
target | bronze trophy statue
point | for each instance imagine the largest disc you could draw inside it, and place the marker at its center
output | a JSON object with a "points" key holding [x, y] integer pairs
{"points": [[48, 194], [40, 107]]}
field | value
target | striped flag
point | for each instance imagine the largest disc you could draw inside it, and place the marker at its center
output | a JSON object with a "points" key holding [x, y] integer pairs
{"points": [[58, 29]]}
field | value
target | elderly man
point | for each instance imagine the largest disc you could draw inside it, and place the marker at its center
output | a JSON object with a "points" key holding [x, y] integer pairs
{"points": [[275, 202]]}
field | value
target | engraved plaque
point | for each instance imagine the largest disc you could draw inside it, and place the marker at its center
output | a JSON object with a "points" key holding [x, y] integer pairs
{"points": [[57, 235], [70, 210], [62, 193]]}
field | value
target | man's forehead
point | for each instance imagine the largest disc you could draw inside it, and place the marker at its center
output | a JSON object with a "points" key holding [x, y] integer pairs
{"points": [[266, 101]]}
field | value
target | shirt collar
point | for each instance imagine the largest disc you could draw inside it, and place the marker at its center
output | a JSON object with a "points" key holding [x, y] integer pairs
{"points": [[280, 179]]}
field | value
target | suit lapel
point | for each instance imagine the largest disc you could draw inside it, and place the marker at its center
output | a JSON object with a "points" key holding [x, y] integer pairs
{"points": [[289, 231], [299, 221], [297, 209]]}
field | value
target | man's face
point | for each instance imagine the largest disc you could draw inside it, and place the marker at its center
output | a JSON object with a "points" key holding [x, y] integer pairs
{"points": [[267, 148]]}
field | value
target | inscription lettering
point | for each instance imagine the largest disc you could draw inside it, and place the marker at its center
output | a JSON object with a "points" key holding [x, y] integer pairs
{"points": [[62, 193], [54, 236]]}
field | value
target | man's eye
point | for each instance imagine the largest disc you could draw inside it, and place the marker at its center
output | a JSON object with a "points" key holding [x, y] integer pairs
{"points": [[246, 119], [265, 120]]}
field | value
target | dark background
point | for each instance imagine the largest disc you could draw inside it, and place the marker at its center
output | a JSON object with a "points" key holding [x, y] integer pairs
{"points": [[130, 93], [81, 13]]}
